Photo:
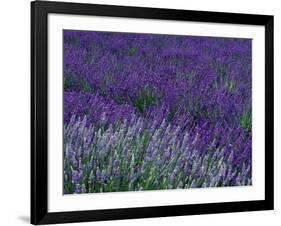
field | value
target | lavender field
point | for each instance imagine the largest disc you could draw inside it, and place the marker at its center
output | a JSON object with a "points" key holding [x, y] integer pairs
{"points": [[151, 112]]}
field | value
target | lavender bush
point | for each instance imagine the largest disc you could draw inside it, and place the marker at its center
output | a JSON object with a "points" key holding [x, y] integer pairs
{"points": [[150, 112]]}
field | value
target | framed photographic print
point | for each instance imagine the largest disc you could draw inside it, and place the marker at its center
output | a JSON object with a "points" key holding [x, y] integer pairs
{"points": [[144, 112]]}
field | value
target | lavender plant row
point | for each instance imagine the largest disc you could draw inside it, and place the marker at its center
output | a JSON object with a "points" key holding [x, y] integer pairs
{"points": [[150, 112], [131, 157]]}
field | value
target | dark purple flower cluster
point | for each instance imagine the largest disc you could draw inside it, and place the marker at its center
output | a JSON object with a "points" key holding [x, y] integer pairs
{"points": [[200, 86]]}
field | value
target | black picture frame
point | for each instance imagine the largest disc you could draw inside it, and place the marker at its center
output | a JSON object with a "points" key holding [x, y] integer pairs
{"points": [[39, 112]]}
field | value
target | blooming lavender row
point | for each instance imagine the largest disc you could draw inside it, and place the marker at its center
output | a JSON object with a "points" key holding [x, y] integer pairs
{"points": [[133, 156], [204, 77]]}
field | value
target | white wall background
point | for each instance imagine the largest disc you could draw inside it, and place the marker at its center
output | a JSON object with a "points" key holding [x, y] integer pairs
{"points": [[15, 113]]}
